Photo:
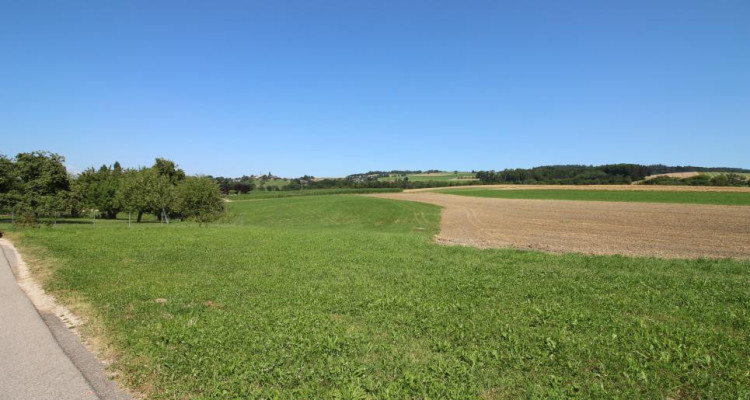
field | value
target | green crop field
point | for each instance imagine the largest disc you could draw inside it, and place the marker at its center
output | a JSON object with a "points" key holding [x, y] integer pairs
{"points": [[725, 198], [446, 176], [262, 194], [348, 297]]}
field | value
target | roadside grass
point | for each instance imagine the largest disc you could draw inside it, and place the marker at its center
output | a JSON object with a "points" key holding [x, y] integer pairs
{"points": [[348, 297], [260, 194], [721, 198]]}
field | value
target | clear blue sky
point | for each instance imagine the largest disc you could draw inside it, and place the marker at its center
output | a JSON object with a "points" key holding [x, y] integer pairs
{"points": [[330, 88]]}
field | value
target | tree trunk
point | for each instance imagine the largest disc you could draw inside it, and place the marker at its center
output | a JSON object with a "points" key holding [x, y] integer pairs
{"points": [[140, 214]]}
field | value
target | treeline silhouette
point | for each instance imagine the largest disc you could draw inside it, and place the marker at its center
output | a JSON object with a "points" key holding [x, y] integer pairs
{"points": [[613, 174]]}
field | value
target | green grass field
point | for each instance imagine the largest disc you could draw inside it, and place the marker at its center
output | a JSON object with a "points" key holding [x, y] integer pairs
{"points": [[261, 194], [724, 198], [275, 183], [446, 176], [348, 297]]}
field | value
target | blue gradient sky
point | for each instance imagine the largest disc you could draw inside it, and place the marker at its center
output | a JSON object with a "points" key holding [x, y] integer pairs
{"points": [[330, 88]]}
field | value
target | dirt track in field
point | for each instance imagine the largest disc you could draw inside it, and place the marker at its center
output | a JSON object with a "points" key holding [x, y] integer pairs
{"points": [[591, 227]]}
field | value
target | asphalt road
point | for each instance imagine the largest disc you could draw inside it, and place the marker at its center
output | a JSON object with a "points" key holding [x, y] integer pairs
{"points": [[39, 357]]}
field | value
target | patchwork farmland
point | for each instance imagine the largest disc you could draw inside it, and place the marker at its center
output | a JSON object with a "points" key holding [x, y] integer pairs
{"points": [[651, 223], [433, 176], [365, 200], [349, 296]]}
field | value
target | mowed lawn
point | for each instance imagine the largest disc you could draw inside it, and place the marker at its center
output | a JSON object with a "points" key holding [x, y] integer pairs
{"points": [[721, 198], [348, 297]]}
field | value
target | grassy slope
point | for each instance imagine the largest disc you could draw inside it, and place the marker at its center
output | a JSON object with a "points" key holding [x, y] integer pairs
{"points": [[726, 198], [347, 296]]}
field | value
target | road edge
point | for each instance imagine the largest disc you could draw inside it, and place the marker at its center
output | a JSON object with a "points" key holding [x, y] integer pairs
{"points": [[91, 368]]}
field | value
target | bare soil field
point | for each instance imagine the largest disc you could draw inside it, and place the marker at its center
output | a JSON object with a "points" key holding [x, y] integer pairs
{"points": [[740, 189], [591, 227]]}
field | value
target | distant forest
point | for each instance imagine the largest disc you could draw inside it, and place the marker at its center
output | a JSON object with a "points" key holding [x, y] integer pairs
{"points": [[612, 174], [596, 175], [359, 181], [386, 174]]}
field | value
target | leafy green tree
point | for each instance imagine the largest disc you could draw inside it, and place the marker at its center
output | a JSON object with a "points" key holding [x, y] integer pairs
{"points": [[736, 179], [145, 191], [73, 201], [33, 183], [7, 174], [162, 195], [130, 195], [168, 169], [98, 189], [199, 198], [720, 180], [8, 184]]}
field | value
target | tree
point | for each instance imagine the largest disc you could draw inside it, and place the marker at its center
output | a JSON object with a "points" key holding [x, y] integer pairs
{"points": [[736, 179], [33, 184], [73, 200], [720, 180], [8, 183], [98, 189], [7, 174], [161, 196], [169, 169], [130, 195], [199, 198], [145, 191]]}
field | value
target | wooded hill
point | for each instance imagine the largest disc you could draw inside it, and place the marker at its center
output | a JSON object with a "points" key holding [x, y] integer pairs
{"points": [[588, 174]]}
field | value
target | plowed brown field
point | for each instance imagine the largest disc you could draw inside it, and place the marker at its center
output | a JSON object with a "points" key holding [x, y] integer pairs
{"points": [[592, 227], [740, 189]]}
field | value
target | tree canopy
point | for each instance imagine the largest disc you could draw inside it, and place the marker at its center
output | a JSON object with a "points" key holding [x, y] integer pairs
{"points": [[36, 184], [587, 174], [199, 198]]}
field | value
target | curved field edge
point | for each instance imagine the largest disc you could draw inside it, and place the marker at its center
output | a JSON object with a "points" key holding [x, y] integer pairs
{"points": [[346, 296], [680, 197]]}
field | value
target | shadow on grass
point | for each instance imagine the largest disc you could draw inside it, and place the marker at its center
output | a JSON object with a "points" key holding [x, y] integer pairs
{"points": [[79, 221]]}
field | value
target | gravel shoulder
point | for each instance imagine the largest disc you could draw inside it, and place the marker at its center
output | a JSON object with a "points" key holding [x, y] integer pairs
{"points": [[40, 356], [590, 227]]}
